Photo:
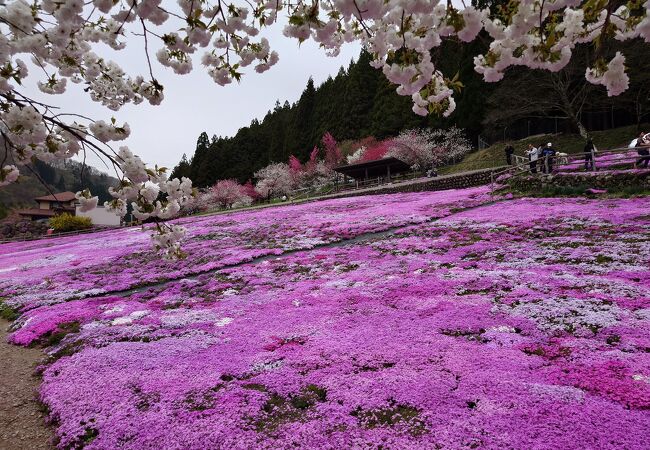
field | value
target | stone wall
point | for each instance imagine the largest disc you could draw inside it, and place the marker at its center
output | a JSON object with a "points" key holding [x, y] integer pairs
{"points": [[609, 179], [23, 229], [440, 183]]}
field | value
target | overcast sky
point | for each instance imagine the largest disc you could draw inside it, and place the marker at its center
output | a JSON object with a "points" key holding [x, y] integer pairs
{"points": [[194, 103]]}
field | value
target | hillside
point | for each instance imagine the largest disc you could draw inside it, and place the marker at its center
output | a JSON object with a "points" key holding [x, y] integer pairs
{"points": [[568, 143], [359, 103], [68, 177]]}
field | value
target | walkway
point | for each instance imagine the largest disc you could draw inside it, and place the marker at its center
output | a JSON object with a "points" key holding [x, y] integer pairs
{"points": [[22, 422]]}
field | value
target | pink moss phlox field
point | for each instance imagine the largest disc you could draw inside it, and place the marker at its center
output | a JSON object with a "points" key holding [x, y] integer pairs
{"points": [[521, 324], [611, 161], [59, 269]]}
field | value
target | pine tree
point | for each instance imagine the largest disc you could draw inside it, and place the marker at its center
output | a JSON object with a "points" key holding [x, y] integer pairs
{"points": [[182, 169], [300, 134], [199, 174], [359, 96]]}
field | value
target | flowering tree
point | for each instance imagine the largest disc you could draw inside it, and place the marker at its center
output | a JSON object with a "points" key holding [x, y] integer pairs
{"points": [[62, 37], [274, 179], [314, 173], [376, 151], [295, 165], [451, 145], [250, 191], [226, 193], [414, 147], [313, 160], [356, 156], [429, 148], [333, 154]]}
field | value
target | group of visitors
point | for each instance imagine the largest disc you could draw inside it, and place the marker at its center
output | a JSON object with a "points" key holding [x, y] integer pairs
{"points": [[545, 153], [642, 145]]}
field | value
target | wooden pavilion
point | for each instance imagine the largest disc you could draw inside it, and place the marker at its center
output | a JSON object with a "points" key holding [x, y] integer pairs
{"points": [[381, 169]]}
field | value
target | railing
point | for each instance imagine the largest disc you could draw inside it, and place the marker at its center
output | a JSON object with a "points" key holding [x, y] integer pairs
{"points": [[616, 157], [378, 181], [482, 143], [306, 193]]}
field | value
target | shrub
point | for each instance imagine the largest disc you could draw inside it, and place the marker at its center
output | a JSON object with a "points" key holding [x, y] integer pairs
{"points": [[67, 222]]}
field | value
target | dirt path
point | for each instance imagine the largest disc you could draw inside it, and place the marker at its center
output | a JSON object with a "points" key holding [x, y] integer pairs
{"points": [[22, 424]]}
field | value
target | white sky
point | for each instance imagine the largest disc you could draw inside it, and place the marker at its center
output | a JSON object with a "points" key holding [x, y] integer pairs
{"points": [[194, 103]]}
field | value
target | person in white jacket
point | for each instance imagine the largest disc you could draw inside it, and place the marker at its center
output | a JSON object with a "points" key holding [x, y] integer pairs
{"points": [[533, 154]]}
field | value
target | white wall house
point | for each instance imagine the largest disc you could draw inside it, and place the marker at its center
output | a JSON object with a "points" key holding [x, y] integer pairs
{"points": [[100, 216]]}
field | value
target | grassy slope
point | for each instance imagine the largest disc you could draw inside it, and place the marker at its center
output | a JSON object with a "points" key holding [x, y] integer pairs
{"points": [[23, 192], [493, 156]]}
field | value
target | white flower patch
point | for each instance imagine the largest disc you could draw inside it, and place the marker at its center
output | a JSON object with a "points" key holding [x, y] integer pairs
{"points": [[51, 261], [301, 242], [92, 325], [502, 329], [642, 314], [503, 336], [639, 377], [563, 393], [135, 315], [230, 291], [90, 293], [266, 365], [180, 318], [128, 320], [339, 284], [223, 322], [579, 317], [122, 321], [296, 303], [114, 309]]}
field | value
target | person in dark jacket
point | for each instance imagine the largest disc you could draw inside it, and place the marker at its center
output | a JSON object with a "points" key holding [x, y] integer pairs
{"points": [[589, 150], [509, 150], [548, 153], [642, 145]]}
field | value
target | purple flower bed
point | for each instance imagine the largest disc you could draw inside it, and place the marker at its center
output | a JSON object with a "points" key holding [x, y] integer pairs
{"points": [[521, 324], [608, 161], [59, 269]]}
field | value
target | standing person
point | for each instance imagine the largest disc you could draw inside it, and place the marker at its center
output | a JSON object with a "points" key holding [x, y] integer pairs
{"points": [[533, 155], [642, 144], [589, 150], [509, 150], [548, 154]]}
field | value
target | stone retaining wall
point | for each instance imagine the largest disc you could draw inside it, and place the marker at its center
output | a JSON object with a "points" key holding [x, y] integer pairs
{"points": [[441, 183], [23, 229], [610, 179]]}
